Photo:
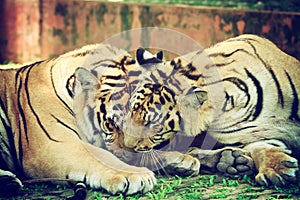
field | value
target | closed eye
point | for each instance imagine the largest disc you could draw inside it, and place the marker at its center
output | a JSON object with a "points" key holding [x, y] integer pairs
{"points": [[157, 128]]}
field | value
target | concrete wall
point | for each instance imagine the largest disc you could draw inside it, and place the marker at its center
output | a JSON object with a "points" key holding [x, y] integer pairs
{"points": [[31, 30]]}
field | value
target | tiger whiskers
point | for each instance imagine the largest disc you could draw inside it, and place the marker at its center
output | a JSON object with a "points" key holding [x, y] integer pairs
{"points": [[154, 161], [160, 163]]}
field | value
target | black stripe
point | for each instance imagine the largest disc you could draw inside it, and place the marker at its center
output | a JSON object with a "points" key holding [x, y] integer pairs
{"points": [[104, 63], [70, 86], [295, 105], [116, 84], [170, 92], [154, 79], [31, 107], [162, 144], [244, 118], [259, 91], [134, 73], [103, 108], [65, 125], [113, 77], [132, 86], [279, 91], [98, 116], [191, 76], [12, 148], [21, 151], [91, 112], [236, 130], [117, 95], [66, 106], [19, 74], [241, 85], [162, 74], [21, 111], [188, 72], [175, 83], [220, 64], [225, 55], [171, 124], [229, 98], [249, 41], [162, 100]]}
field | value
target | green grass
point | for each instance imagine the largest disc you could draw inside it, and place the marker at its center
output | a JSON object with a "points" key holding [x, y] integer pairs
{"points": [[287, 5], [207, 187], [7, 63], [175, 188]]}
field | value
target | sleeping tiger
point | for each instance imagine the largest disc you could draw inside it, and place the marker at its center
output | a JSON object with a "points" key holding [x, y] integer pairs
{"points": [[99, 116]]}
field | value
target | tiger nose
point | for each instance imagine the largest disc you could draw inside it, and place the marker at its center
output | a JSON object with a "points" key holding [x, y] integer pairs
{"points": [[143, 145]]}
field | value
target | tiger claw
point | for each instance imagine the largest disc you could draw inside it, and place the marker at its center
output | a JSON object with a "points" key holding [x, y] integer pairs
{"points": [[276, 167], [293, 163], [272, 176]]}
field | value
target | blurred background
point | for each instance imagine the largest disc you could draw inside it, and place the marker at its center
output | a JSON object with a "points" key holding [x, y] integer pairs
{"points": [[32, 30]]}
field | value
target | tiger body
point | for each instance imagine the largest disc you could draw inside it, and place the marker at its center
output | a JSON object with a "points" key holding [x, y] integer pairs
{"points": [[235, 91], [131, 108], [38, 125], [261, 96]]}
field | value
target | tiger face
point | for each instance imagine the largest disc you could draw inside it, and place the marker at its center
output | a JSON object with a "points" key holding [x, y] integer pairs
{"points": [[143, 105]]}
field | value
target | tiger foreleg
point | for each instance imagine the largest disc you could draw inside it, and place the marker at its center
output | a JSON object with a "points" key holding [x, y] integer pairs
{"points": [[228, 161], [94, 166], [9, 183], [273, 162]]}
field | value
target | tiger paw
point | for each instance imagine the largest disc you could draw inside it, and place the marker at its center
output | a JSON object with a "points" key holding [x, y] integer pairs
{"points": [[235, 162], [182, 164], [9, 183], [277, 168], [128, 181]]}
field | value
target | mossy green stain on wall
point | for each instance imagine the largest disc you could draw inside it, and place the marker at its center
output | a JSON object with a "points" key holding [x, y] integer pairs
{"points": [[60, 33], [145, 19], [126, 17], [61, 9], [100, 12], [74, 32], [87, 28], [69, 19]]}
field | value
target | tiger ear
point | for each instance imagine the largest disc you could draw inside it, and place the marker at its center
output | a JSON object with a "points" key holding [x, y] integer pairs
{"points": [[144, 57], [159, 55], [86, 78], [201, 95], [195, 99]]}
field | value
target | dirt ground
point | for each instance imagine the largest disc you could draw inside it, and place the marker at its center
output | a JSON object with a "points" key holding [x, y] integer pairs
{"points": [[200, 187]]}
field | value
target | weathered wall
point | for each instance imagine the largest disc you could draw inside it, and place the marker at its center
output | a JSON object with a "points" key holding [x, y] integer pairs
{"points": [[38, 29]]}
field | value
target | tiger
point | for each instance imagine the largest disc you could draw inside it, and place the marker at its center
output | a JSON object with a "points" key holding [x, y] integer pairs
{"points": [[99, 116], [242, 92], [39, 135]]}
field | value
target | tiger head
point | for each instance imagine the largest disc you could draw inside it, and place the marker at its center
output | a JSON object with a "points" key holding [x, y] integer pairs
{"points": [[140, 105]]}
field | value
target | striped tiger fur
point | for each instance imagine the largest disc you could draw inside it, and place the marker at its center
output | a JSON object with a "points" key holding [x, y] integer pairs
{"points": [[39, 134], [133, 113], [242, 92]]}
